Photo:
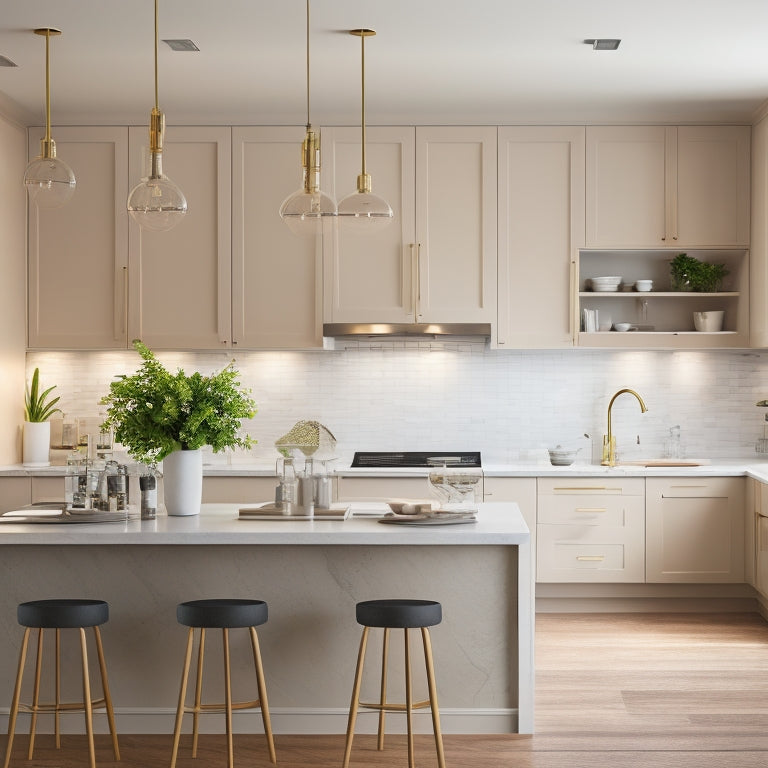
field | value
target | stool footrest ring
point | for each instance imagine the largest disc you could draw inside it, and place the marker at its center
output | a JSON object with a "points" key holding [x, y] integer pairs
{"points": [[219, 708], [396, 707], [75, 706]]}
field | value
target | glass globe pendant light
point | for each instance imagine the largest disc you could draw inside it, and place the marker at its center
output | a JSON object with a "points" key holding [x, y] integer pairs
{"points": [[156, 203], [362, 208], [48, 179], [305, 209]]}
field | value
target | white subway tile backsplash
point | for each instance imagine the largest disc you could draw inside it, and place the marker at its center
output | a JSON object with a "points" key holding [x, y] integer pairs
{"points": [[418, 395]]}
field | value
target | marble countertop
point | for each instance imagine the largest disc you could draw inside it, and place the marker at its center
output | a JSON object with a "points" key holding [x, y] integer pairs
{"points": [[498, 523], [749, 466]]}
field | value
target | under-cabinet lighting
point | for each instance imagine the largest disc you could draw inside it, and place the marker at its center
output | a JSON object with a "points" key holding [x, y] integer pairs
{"points": [[181, 45], [604, 43]]}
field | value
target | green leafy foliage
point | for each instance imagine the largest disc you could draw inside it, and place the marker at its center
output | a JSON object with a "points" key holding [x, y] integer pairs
{"points": [[155, 412], [690, 274], [37, 406]]}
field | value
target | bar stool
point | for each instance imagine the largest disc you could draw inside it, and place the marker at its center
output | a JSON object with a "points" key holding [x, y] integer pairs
{"points": [[405, 615], [58, 615], [224, 614]]}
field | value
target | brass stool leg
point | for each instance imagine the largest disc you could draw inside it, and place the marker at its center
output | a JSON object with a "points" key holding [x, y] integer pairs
{"points": [[105, 688], [198, 692], [228, 698], [182, 697], [409, 702], [35, 694], [355, 697], [263, 695], [383, 696], [87, 700], [433, 697], [57, 684], [16, 695]]}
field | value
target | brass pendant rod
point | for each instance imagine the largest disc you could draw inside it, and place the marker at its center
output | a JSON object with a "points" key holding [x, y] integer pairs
{"points": [[47, 86], [157, 99], [362, 99], [309, 125]]}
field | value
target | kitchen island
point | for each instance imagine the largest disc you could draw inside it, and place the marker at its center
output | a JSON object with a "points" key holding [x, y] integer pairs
{"points": [[311, 573]]}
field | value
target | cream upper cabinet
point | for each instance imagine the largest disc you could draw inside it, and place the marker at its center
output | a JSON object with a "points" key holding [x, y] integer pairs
{"points": [[456, 224], [695, 529], [276, 275], [540, 224], [369, 277], [436, 262], [667, 186], [78, 254], [179, 286], [758, 262]]}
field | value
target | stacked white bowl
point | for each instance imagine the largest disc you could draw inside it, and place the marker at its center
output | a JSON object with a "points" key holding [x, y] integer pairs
{"points": [[610, 283]]}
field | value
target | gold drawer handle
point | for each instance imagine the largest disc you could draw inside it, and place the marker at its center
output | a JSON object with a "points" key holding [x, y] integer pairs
{"points": [[591, 558], [582, 488], [591, 509]]}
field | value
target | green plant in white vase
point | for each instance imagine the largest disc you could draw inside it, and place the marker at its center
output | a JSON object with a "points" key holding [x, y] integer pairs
{"points": [[162, 416], [39, 406]]}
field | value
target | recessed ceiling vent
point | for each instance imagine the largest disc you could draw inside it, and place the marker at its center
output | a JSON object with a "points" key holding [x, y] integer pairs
{"points": [[604, 43], [181, 45], [6, 62]]}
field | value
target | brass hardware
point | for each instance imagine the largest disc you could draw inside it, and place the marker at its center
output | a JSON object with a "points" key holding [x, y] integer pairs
{"points": [[591, 558], [582, 488], [47, 144], [591, 509], [364, 179], [609, 441]]}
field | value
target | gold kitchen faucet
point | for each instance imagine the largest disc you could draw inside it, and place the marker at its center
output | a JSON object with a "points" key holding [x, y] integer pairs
{"points": [[609, 441]]}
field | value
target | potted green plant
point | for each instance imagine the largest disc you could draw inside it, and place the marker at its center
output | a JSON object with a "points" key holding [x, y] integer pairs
{"points": [[690, 274], [162, 416], [38, 408]]}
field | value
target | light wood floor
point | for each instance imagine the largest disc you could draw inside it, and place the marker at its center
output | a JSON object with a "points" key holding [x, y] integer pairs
{"points": [[625, 691]]}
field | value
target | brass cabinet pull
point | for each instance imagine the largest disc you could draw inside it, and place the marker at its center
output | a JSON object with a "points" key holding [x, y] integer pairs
{"points": [[583, 488], [591, 509], [591, 558]]}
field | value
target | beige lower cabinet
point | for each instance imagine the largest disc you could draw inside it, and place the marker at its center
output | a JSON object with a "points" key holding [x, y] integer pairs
{"points": [[760, 537], [695, 529], [236, 490], [382, 488], [591, 530], [15, 492]]}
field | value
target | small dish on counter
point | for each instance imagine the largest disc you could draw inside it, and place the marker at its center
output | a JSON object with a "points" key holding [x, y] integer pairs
{"points": [[622, 327]]}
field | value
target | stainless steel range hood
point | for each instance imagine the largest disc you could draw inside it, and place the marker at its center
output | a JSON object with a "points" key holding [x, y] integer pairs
{"points": [[407, 329]]}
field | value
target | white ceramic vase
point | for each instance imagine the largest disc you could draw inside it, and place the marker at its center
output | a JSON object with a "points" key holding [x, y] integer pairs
{"points": [[183, 482], [36, 441]]}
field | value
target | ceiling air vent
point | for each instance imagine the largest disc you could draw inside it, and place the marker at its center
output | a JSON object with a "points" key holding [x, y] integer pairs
{"points": [[181, 45]]}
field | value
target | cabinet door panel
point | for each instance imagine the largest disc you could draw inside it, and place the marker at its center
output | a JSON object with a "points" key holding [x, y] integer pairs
{"points": [[15, 492], [276, 275], [541, 222], [368, 277], [694, 534], [626, 186], [713, 185], [78, 254], [180, 279], [456, 224]]}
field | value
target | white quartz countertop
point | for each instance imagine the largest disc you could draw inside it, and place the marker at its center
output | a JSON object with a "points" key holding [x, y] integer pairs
{"points": [[498, 523]]}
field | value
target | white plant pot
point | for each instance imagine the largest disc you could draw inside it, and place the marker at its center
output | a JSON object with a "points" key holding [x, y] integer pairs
{"points": [[36, 442], [183, 482]]}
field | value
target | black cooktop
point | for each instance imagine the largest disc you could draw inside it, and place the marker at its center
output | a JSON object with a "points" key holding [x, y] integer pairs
{"points": [[416, 459]]}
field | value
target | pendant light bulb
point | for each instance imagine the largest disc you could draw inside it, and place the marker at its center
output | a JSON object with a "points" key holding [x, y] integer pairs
{"points": [[304, 210], [48, 179], [362, 209], [156, 203]]}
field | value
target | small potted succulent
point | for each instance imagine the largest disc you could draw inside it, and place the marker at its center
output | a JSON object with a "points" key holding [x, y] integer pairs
{"points": [[161, 416], [38, 408]]}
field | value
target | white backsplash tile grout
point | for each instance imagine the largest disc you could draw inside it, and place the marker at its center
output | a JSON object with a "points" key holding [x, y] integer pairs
{"points": [[427, 395]]}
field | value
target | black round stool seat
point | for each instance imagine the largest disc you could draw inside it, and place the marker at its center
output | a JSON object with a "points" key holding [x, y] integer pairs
{"points": [[63, 614], [222, 613], [400, 614]]}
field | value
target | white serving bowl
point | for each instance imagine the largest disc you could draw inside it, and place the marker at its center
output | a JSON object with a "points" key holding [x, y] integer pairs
{"points": [[643, 285], [622, 327], [562, 457], [610, 283], [708, 322]]}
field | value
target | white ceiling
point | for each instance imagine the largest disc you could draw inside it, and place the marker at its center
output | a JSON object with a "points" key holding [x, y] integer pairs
{"points": [[432, 61]]}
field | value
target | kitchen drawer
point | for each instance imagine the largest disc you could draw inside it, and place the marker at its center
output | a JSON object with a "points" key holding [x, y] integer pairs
{"points": [[574, 553], [589, 509], [691, 488], [594, 486], [383, 488]]}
